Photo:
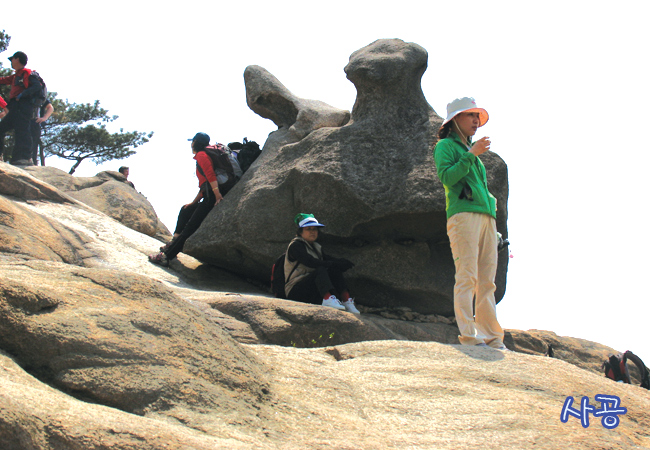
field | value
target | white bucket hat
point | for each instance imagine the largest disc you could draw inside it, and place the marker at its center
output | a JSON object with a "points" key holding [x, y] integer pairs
{"points": [[466, 104]]}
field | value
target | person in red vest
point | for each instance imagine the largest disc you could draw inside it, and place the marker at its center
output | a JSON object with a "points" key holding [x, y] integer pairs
{"points": [[192, 214], [25, 89]]}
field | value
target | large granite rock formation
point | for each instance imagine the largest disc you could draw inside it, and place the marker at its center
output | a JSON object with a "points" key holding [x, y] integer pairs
{"points": [[124, 341], [295, 117], [372, 181], [109, 193], [101, 349]]}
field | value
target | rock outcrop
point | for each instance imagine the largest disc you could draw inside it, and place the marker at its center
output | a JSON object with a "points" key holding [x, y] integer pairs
{"points": [[109, 193], [295, 117], [104, 350], [35, 416], [371, 181], [100, 349], [124, 341]]}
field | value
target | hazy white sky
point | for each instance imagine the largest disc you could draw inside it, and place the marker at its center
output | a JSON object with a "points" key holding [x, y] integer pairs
{"points": [[565, 83]]}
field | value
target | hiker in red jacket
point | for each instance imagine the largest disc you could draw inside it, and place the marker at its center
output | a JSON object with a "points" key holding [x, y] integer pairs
{"points": [[25, 88], [192, 214]]}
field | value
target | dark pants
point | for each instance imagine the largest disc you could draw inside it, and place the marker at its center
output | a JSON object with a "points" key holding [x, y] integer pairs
{"points": [[314, 286], [189, 220], [19, 119], [36, 139]]}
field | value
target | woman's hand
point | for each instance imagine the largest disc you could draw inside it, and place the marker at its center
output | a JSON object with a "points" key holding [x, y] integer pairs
{"points": [[481, 146], [218, 195]]}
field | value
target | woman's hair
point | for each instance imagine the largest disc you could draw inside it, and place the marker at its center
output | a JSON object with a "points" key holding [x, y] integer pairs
{"points": [[198, 147], [444, 130]]}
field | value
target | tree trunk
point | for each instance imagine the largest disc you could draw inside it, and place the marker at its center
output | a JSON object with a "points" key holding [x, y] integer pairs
{"points": [[75, 166]]}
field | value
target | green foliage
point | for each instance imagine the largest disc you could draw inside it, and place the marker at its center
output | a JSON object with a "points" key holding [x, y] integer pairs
{"points": [[320, 341], [69, 135], [4, 41], [77, 132]]}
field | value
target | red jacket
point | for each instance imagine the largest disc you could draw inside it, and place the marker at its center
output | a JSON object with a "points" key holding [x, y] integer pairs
{"points": [[18, 85], [3, 104], [205, 162]]}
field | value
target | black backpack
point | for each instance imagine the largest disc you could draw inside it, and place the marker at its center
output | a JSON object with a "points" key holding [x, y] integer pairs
{"points": [[277, 277], [41, 96], [220, 160], [249, 152], [616, 368]]}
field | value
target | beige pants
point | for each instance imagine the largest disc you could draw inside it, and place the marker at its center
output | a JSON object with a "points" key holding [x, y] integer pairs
{"points": [[473, 239]]}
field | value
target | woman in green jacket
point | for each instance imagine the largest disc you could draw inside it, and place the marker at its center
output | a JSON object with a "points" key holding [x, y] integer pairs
{"points": [[471, 223]]}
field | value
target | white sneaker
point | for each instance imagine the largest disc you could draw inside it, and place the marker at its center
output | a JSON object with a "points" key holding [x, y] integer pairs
{"points": [[349, 306], [333, 302]]}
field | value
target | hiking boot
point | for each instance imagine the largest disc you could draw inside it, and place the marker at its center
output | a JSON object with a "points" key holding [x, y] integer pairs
{"points": [[349, 306], [160, 259], [165, 247], [334, 302], [22, 162]]}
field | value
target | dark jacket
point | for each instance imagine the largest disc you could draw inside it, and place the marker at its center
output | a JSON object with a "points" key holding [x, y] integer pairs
{"points": [[24, 85]]}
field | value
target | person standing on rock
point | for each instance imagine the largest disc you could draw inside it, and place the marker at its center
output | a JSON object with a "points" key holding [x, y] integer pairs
{"points": [[311, 275], [25, 87], [471, 223], [44, 113], [192, 214]]}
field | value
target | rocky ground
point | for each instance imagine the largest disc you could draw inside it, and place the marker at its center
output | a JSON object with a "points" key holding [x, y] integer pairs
{"points": [[100, 349]]}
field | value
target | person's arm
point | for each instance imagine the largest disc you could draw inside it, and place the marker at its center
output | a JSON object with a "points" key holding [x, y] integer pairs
{"points": [[217, 192], [208, 172], [3, 108], [49, 109], [298, 252], [451, 169], [341, 263], [34, 86], [7, 80]]}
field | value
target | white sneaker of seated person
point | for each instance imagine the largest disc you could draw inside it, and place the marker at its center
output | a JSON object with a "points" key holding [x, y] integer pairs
{"points": [[349, 306], [333, 302]]}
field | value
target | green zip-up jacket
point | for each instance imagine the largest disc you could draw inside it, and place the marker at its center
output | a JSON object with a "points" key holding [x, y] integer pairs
{"points": [[457, 169]]}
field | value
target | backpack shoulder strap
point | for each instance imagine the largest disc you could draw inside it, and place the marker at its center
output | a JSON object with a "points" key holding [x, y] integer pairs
{"points": [[643, 370], [198, 167]]}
